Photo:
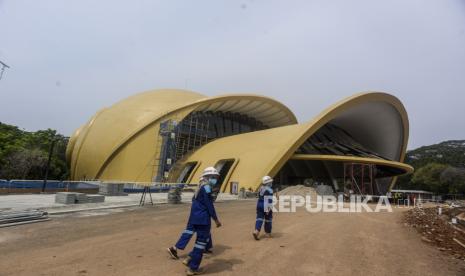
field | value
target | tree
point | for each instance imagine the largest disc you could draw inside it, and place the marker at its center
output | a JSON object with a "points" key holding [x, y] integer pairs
{"points": [[24, 164], [428, 178], [454, 178], [18, 146]]}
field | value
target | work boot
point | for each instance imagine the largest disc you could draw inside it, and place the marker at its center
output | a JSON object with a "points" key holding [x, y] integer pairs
{"points": [[173, 253], [255, 236], [191, 272], [186, 261], [268, 235]]}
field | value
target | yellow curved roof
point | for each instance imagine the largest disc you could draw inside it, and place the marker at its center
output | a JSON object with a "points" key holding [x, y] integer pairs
{"points": [[354, 159], [71, 144], [95, 144], [112, 126], [265, 152]]}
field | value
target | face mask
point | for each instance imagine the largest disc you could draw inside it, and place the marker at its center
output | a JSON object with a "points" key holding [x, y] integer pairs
{"points": [[213, 181]]}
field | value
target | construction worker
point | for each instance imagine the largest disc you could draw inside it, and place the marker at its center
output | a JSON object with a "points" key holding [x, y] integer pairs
{"points": [[184, 239], [202, 211], [264, 212]]}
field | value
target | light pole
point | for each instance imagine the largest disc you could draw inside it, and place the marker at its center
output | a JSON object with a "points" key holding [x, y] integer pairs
{"points": [[3, 65], [47, 166]]}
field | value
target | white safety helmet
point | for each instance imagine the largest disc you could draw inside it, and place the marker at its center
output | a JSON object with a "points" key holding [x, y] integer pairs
{"points": [[210, 171], [267, 180]]}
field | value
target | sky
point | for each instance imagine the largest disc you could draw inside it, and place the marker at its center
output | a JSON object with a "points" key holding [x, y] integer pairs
{"points": [[69, 59]]}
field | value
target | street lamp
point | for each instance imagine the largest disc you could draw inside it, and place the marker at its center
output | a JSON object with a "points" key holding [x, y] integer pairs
{"points": [[3, 65]]}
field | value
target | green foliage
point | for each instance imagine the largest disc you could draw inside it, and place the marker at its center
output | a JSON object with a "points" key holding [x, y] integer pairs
{"points": [[439, 168], [451, 153], [23, 155], [428, 178], [454, 178]]}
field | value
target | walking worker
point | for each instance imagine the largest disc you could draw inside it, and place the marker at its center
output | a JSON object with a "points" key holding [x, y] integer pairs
{"points": [[202, 212], [184, 239], [264, 211]]}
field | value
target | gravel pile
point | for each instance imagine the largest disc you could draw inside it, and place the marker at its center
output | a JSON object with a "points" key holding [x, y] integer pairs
{"points": [[324, 190], [299, 190], [438, 230]]}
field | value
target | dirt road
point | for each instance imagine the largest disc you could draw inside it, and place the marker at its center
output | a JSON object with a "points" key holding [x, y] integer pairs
{"points": [[133, 243]]}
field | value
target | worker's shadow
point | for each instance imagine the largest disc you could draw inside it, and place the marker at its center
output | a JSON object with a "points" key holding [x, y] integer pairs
{"points": [[218, 249], [276, 235], [221, 265]]}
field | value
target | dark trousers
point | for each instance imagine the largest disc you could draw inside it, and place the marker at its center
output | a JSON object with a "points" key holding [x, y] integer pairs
{"points": [[186, 237], [264, 217], [201, 241]]}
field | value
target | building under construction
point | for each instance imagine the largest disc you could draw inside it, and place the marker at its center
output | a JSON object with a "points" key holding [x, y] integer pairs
{"points": [[170, 136]]}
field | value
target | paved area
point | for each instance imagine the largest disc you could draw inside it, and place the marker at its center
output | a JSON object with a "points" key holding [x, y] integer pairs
{"points": [[133, 241], [47, 201]]}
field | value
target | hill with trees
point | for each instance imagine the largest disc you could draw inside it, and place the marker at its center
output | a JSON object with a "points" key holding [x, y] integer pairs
{"points": [[439, 168]]}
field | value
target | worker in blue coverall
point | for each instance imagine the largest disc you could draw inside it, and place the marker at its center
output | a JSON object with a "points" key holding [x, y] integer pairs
{"points": [[264, 208], [185, 238], [202, 211]]}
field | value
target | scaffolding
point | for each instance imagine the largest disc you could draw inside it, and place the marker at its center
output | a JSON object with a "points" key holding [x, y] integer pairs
{"points": [[164, 147], [179, 137], [192, 133], [176, 140], [361, 178]]}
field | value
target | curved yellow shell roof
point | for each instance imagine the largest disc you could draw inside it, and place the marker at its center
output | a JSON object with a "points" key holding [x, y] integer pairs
{"points": [[354, 159], [109, 132], [265, 152], [119, 143], [111, 127]]}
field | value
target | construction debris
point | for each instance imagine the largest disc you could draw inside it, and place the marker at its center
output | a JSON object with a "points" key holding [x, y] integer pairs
{"points": [[112, 189], [438, 230], [65, 198], [95, 198], [299, 190], [313, 192], [174, 195], [79, 198], [324, 190], [12, 218]]}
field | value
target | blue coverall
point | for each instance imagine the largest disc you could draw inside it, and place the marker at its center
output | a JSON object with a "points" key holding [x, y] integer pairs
{"points": [[186, 237], [261, 214], [202, 211]]}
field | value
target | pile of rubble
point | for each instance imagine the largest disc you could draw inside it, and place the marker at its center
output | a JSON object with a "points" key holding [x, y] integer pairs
{"points": [[303, 190], [446, 231], [324, 190], [299, 190]]}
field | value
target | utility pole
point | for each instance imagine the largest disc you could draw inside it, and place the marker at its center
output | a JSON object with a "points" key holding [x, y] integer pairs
{"points": [[50, 153], [3, 66]]}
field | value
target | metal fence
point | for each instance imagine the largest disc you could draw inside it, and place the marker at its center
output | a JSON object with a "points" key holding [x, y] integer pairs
{"points": [[15, 186]]}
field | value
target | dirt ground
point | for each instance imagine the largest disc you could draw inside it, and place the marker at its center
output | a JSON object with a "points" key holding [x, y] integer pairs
{"points": [[134, 242]]}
